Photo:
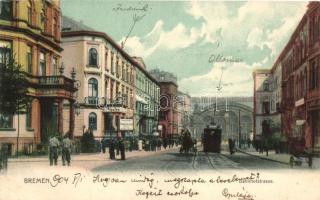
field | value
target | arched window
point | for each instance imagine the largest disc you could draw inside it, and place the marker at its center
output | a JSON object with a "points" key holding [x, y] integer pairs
{"points": [[93, 57], [93, 121], [92, 87], [266, 85]]}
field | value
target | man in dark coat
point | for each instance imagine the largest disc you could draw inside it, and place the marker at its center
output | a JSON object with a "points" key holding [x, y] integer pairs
{"points": [[231, 146], [122, 149], [111, 150]]}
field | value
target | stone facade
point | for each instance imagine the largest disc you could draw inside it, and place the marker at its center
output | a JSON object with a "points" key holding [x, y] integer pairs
{"points": [[31, 29], [147, 101]]}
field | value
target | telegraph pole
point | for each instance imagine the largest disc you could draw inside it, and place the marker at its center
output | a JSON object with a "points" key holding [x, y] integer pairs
{"points": [[239, 130]]}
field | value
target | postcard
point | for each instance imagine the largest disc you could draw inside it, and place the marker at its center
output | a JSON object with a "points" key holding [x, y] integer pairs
{"points": [[148, 100]]}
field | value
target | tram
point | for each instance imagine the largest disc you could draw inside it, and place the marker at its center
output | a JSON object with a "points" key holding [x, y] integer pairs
{"points": [[211, 138]]}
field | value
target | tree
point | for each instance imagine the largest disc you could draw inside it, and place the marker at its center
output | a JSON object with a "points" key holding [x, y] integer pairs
{"points": [[87, 142], [13, 87]]}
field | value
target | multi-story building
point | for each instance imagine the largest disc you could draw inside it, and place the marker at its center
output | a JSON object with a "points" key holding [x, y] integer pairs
{"points": [[168, 115], [262, 100], [106, 74], [30, 30], [147, 101], [297, 67], [184, 111]]}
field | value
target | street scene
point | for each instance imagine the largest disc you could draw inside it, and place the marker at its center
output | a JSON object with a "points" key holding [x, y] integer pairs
{"points": [[129, 88]]}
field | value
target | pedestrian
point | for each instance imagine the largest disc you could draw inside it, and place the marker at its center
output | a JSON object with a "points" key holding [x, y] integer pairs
{"points": [[122, 149], [103, 147], [164, 143], [230, 143], [140, 145], [53, 150], [159, 144], [249, 143], [111, 150], [66, 149]]}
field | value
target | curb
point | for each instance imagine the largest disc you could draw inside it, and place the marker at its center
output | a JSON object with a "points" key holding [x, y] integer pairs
{"points": [[262, 158]]}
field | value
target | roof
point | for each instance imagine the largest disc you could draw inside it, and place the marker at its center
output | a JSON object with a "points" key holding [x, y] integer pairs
{"points": [[68, 25], [71, 28]]}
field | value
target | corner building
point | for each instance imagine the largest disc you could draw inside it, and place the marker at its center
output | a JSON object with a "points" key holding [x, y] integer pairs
{"points": [[31, 30]]}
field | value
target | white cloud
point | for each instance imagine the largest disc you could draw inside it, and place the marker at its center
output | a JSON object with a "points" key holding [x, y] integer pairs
{"points": [[235, 80], [158, 38], [255, 38]]}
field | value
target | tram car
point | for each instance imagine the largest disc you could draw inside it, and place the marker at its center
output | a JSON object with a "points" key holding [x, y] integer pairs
{"points": [[211, 139]]}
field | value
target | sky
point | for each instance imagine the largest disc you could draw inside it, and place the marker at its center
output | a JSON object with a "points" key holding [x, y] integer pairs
{"points": [[192, 38]]}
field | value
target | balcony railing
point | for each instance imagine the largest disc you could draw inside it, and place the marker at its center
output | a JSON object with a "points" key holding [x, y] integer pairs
{"points": [[91, 100], [51, 81]]}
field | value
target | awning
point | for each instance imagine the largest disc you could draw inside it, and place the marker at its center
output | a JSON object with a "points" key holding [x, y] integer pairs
{"points": [[141, 100]]}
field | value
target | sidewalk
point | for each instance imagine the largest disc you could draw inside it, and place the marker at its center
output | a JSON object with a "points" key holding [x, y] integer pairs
{"points": [[280, 158], [83, 161]]}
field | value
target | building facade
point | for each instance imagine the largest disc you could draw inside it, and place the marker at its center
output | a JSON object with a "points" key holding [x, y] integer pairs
{"points": [[31, 31], [147, 101], [184, 111], [106, 76], [168, 114], [262, 103], [297, 67]]}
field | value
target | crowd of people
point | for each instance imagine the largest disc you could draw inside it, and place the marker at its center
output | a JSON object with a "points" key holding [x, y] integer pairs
{"points": [[120, 146]]}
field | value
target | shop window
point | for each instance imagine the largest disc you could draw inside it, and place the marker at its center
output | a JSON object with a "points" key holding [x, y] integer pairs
{"points": [[93, 121], [93, 57]]}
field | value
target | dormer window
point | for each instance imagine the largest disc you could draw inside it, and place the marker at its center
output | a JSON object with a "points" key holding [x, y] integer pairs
{"points": [[93, 57]]}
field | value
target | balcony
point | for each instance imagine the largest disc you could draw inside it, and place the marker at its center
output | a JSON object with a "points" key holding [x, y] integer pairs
{"points": [[91, 101], [52, 86]]}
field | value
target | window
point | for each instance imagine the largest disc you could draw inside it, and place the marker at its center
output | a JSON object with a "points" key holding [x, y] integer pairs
{"points": [[54, 66], [29, 11], [313, 76], [112, 63], [43, 19], [266, 86], [266, 107], [5, 52], [93, 87], [54, 27], [29, 116], [5, 121], [93, 57], [42, 64], [106, 60], [5, 9], [29, 59], [93, 121]]}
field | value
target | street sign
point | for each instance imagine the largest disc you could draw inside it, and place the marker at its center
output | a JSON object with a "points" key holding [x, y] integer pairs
{"points": [[126, 124]]}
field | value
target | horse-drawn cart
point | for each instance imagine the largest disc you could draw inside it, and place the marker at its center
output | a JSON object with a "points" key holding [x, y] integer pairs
{"points": [[298, 152]]}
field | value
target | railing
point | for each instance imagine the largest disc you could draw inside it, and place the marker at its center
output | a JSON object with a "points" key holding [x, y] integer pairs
{"points": [[91, 100], [51, 81]]}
